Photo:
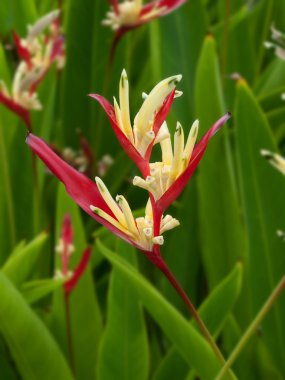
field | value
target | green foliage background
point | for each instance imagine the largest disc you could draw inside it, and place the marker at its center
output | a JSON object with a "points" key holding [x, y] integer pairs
{"points": [[126, 320]]}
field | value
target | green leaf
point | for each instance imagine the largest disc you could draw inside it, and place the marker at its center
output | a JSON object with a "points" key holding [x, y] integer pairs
{"points": [[34, 351], [187, 340], [76, 80], [22, 262], [263, 190], [34, 291], [16, 15], [214, 312], [220, 226], [184, 265], [125, 331]]}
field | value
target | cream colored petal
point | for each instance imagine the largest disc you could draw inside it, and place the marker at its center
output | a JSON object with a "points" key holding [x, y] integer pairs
{"points": [[154, 101]]}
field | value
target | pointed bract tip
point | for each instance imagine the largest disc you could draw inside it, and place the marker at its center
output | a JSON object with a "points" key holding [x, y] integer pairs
{"points": [[118, 198], [178, 94], [196, 124], [27, 137], [93, 208], [178, 128], [124, 73], [175, 79]]}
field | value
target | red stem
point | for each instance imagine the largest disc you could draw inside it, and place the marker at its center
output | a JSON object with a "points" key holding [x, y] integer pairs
{"points": [[161, 265]]}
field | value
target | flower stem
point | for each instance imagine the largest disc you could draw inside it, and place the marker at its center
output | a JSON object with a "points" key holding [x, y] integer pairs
{"points": [[69, 333], [171, 278], [252, 328]]}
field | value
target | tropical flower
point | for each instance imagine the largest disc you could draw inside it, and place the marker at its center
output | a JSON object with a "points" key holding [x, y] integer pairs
{"points": [[164, 180], [130, 14], [38, 51], [275, 159], [65, 248]]}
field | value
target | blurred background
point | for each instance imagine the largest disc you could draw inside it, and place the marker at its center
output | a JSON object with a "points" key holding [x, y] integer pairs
{"points": [[230, 211]]}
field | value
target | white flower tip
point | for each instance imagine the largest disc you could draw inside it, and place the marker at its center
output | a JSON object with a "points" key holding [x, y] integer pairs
{"points": [[178, 128], [268, 45], [124, 77], [100, 183], [283, 96], [280, 234], [266, 154], [144, 95], [119, 198], [93, 208], [147, 231], [174, 80], [178, 94], [137, 180], [158, 240]]}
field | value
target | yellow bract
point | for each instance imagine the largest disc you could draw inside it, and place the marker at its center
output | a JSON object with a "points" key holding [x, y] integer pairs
{"points": [[139, 230]]}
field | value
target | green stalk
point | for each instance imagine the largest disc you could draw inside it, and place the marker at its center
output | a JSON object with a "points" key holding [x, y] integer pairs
{"points": [[252, 328], [194, 313]]}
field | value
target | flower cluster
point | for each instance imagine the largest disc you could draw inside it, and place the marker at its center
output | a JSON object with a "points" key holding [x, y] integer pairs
{"points": [[130, 14], [42, 46], [65, 248], [164, 180]]}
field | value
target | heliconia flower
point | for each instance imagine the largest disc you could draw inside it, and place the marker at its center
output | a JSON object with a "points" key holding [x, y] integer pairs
{"points": [[277, 43], [164, 180], [95, 199], [37, 53], [138, 139], [65, 248], [275, 159], [130, 14]]}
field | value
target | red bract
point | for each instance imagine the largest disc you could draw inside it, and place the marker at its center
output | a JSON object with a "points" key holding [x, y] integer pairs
{"points": [[177, 187], [80, 188], [78, 271], [16, 108], [141, 162], [65, 249], [23, 52]]}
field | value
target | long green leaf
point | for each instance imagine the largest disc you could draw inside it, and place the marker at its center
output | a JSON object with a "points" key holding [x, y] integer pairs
{"points": [[220, 230], [187, 340], [33, 349], [213, 311], [263, 190], [125, 331], [20, 265]]}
